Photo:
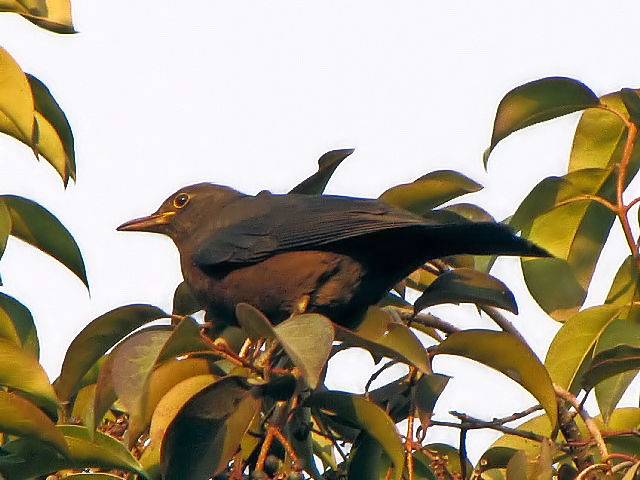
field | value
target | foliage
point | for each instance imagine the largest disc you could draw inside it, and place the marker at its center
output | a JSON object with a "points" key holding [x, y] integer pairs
{"points": [[168, 401]]}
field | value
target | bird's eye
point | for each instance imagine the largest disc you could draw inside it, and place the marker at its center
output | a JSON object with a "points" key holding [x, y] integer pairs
{"points": [[181, 200]]}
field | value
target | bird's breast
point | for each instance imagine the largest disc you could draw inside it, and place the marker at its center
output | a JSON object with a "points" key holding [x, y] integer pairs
{"points": [[286, 283]]}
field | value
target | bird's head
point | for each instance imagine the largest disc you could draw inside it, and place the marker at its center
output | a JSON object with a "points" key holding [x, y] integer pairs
{"points": [[187, 208]]}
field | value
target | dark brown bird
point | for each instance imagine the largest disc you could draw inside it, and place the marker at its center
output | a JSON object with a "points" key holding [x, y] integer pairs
{"points": [[292, 253]]}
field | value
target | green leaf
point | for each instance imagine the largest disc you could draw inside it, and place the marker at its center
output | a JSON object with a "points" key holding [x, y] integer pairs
{"points": [[30, 458], [495, 457], [307, 339], [518, 467], [574, 342], [465, 285], [557, 216], [19, 416], [98, 337], [5, 228], [451, 455], [20, 371], [367, 416], [99, 449], [600, 137], [621, 331], [379, 334], [253, 322], [365, 459], [632, 103], [184, 303], [22, 328], [427, 391], [38, 227], [206, 432], [166, 410], [509, 355], [536, 102], [607, 363], [185, 338], [55, 138], [327, 164], [538, 425], [430, 190], [133, 360], [16, 101], [625, 288]]}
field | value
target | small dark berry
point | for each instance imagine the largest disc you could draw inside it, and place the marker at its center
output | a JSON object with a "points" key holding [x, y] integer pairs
{"points": [[271, 464]]}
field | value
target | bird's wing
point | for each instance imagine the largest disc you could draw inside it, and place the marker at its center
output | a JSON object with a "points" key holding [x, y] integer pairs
{"points": [[269, 224]]}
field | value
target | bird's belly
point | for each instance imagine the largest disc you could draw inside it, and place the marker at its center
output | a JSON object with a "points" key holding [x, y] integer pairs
{"points": [[291, 282]]}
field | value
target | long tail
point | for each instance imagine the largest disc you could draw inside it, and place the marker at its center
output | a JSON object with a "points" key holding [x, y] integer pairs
{"points": [[480, 238]]}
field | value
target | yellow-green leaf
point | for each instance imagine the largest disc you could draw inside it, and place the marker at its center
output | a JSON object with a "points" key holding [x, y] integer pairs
{"points": [[536, 102], [430, 190], [382, 336], [509, 355], [17, 325], [19, 416], [574, 342], [56, 16], [20, 371], [16, 101], [367, 416]]}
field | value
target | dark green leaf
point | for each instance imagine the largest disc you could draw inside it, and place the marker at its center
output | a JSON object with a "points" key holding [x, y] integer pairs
{"points": [[632, 103], [574, 342], [22, 323], [207, 431], [38, 227], [382, 336], [353, 409], [427, 391], [509, 355], [536, 102], [365, 459], [55, 139], [253, 322], [327, 164], [608, 363], [430, 190], [98, 337], [621, 331], [496, 457], [464, 285], [307, 339], [184, 303], [185, 338]]}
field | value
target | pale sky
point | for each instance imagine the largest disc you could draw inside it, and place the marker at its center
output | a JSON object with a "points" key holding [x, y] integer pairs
{"points": [[250, 94]]}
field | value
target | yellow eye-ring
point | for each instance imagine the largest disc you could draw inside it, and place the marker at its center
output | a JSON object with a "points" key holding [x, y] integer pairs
{"points": [[181, 200]]}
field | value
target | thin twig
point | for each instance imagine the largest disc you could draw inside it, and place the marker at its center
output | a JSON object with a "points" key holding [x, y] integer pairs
{"points": [[588, 421], [502, 321], [376, 374], [425, 319]]}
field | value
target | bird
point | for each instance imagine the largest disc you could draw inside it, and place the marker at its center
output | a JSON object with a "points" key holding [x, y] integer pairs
{"points": [[286, 254]]}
